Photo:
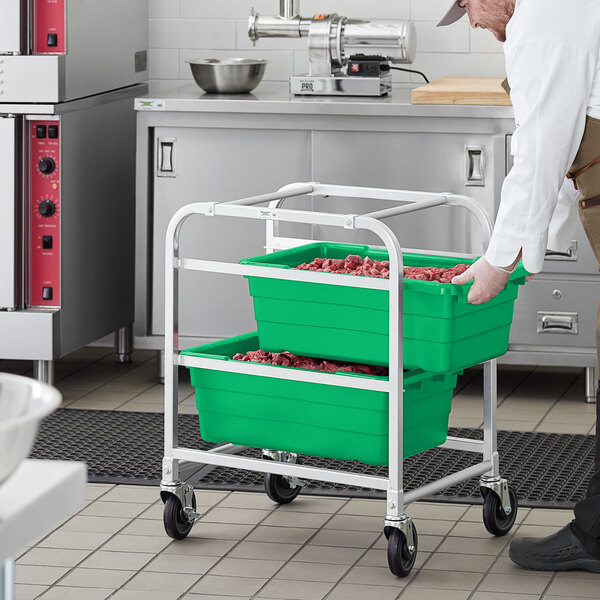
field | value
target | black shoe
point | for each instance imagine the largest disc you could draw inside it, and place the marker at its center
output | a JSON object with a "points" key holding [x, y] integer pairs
{"points": [[561, 551]]}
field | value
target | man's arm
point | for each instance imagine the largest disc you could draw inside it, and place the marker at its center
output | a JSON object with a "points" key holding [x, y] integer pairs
{"points": [[551, 83], [565, 218]]}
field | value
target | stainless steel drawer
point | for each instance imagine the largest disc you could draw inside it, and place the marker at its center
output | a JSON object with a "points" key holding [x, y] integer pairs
{"points": [[556, 313]]}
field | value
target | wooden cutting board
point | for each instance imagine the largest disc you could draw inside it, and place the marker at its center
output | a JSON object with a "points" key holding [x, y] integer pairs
{"points": [[462, 90]]}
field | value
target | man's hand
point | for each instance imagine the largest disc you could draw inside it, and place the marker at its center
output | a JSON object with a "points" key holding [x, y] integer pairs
{"points": [[489, 281]]}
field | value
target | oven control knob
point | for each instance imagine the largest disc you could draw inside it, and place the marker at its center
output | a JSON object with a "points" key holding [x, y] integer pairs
{"points": [[47, 165], [47, 208]]}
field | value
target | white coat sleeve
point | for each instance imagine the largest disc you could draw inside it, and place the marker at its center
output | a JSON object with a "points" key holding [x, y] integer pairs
{"points": [[564, 219], [551, 83]]}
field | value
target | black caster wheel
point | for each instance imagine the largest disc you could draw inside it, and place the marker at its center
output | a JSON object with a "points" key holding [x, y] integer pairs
{"points": [[400, 559], [175, 520], [496, 521], [279, 490]]}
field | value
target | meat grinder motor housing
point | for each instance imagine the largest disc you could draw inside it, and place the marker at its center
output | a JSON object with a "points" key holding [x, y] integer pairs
{"points": [[331, 39]]}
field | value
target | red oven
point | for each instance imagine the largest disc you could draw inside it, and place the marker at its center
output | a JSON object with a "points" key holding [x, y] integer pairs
{"points": [[69, 71]]}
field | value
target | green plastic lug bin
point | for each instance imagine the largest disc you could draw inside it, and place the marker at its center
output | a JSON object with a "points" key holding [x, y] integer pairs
{"points": [[311, 418], [442, 332]]}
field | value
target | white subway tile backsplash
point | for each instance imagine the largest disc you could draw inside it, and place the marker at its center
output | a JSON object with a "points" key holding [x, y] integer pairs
{"points": [[436, 65], [442, 39], [484, 41], [183, 29], [237, 9], [163, 64], [226, 9], [401, 76], [191, 33], [429, 10], [163, 9]]}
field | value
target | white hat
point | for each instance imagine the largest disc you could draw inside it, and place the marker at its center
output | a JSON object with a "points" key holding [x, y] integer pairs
{"points": [[453, 15]]}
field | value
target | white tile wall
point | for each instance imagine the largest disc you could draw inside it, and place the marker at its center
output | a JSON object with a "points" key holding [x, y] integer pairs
{"points": [[184, 29]]}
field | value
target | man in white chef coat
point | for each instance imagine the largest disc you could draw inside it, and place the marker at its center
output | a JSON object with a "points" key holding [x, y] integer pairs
{"points": [[552, 50]]}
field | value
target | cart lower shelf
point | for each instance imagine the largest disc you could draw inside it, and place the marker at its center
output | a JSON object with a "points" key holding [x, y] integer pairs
{"points": [[311, 418]]}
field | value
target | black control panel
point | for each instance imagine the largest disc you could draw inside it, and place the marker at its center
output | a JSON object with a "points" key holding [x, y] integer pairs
{"points": [[364, 65]]}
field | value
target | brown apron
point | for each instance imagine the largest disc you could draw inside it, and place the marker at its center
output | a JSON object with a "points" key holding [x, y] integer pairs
{"points": [[585, 173]]}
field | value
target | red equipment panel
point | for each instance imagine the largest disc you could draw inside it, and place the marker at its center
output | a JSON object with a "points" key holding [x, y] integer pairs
{"points": [[49, 24], [44, 213]]}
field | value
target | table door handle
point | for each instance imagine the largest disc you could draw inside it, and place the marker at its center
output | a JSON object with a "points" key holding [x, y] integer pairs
{"points": [[570, 254], [165, 166], [555, 322]]}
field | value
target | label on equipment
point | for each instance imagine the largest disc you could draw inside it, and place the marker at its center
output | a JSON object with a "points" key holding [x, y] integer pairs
{"points": [[267, 213], [148, 104]]}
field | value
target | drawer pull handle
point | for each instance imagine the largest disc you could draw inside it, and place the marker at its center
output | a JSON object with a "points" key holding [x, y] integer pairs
{"points": [[558, 323], [475, 165], [166, 157], [569, 255]]}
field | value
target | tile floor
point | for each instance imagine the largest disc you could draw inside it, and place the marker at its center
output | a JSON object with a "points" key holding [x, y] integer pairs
{"points": [[314, 548]]}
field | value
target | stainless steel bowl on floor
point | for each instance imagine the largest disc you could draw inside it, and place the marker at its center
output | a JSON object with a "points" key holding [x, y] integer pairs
{"points": [[228, 75]]}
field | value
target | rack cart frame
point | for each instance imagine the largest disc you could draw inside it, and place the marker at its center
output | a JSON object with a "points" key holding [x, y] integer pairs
{"points": [[500, 502]]}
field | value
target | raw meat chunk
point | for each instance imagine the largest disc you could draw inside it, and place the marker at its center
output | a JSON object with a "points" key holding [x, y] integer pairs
{"points": [[286, 359], [355, 265]]}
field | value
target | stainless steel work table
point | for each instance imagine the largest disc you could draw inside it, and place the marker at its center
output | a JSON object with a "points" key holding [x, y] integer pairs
{"points": [[274, 98], [239, 146]]}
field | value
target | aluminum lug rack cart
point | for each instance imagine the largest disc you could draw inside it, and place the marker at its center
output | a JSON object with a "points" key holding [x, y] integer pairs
{"points": [[283, 475]]}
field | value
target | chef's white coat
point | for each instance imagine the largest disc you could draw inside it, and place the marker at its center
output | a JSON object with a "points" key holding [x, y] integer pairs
{"points": [[552, 54]]}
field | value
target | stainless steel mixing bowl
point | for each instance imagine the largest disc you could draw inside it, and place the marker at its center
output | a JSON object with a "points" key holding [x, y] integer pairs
{"points": [[24, 403], [228, 75]]}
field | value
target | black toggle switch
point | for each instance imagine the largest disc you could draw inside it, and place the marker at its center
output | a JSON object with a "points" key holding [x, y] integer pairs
{"points": [[52, 40], [46, 293], [53, 131], [40, 131], [47, 242]]}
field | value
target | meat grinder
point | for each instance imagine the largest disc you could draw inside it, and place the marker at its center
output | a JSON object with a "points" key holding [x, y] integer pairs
{"points": [[333, 69]]}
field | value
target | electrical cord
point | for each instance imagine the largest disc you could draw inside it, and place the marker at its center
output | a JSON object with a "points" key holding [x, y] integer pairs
{"points": [[411, 71]]}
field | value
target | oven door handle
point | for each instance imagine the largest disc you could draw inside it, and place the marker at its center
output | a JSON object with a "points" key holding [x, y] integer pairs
{"points": [[9, 209], [13, 27], [570, 254]]}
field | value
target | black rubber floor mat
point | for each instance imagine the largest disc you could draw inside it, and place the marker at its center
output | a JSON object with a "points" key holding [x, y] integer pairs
{"points": [[546, 469]]}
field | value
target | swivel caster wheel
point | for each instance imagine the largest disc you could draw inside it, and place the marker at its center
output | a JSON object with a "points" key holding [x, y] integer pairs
{"points": [[495, 519], [401, 558], [279, 490], [177, 524]]}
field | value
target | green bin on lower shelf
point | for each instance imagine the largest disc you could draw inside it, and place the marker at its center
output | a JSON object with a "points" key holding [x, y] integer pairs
{"points": [[442, 332], [311, 418]]}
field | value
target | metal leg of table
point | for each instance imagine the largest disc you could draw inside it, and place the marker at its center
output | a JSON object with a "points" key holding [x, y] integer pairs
{"points": [[123, 344], [7, 580], [591, 384], [43, 370], [160, 360]]}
